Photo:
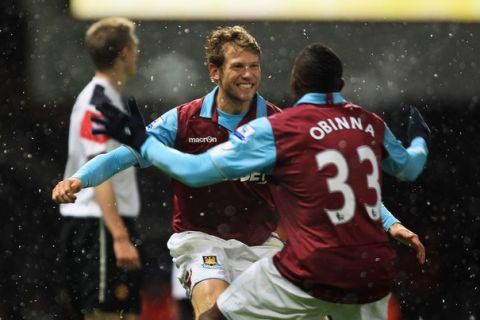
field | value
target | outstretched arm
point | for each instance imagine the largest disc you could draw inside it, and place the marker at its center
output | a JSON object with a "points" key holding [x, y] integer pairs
{"points": [[126, 254], [232, 159], [394, 227], [228, 160], [104, 166], [94, 172], [407, 164], [194, 170], [409, 238]]}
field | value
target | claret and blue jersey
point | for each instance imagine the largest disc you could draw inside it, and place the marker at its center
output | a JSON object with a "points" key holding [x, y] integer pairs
{"points": [[222, 162], [166, 127], [240, 209], [256, 151], [327, 157]]}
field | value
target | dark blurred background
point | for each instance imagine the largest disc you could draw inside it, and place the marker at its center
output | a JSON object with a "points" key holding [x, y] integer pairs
{"points": [[388, 65]]}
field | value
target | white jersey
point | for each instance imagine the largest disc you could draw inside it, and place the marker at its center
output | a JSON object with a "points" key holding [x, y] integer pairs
{"points": [[83, 145]]}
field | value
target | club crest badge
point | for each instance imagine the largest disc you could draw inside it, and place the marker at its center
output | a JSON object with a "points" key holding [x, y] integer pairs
{"points": [[155, 123], [211, 262], [121, 292], [244, 132]]}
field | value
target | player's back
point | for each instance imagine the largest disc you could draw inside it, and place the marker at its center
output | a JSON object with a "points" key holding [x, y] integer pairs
{"points": [[328, 170]]}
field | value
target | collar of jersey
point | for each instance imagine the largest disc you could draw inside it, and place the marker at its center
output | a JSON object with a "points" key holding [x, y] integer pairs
{"points": [[101, 81], [320, 98], [110, 91], [106, 85], [209, 103]]}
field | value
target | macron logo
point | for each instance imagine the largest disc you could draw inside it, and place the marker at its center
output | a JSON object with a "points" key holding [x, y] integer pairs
{"points": [[208, 139]]}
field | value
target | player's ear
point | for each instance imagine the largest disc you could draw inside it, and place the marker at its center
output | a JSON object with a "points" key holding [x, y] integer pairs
{"points": [[124, 53], [214, 72]]}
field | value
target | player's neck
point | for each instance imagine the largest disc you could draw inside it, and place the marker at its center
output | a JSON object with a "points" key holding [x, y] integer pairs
{"points": [[117, 79], [231, 106]]}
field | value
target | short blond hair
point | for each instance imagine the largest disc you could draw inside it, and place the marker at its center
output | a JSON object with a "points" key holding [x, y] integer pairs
{"points": [[236, 35], [106, 38]]}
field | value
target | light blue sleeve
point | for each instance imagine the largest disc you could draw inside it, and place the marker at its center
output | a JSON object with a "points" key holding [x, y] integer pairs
{"points": [[405, 164], [104, 166], [193, 170], [250, 149], [388, 219], [232, 159], [165, 127]]}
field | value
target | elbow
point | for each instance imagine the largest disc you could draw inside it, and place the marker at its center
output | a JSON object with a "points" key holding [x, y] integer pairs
{"points": [[191, 181], [193, 184], [410, 175], [411, 170], [197, 183], [409, 178]]}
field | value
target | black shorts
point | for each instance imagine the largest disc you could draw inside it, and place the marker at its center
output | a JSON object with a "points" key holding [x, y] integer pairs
{"points": [[89, 268]]}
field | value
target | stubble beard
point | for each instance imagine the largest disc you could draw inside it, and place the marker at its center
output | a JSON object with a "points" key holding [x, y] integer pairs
{"points": [[231, 95]]}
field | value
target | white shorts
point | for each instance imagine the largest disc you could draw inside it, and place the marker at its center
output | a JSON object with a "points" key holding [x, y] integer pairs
{"points": [[262, 293], [200, 256]]}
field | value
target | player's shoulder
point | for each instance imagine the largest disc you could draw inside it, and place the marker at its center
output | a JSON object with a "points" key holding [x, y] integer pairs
{"points": [[291, 111], [88, 94], [272, 108], [179, 113], [190, 108], [361, 110], [85, 96]]}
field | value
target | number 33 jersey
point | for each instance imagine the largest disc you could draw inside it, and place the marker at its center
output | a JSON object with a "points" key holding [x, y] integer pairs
{"points": [[324, 160], [329, 174]]}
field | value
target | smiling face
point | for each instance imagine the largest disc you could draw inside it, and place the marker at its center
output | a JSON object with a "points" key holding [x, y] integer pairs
{"points": [[238, 78]]}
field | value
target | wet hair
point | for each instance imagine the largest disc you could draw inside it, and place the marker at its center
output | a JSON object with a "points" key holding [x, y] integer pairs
{"points": [[106, 38], [317, 69], [236, 35]]}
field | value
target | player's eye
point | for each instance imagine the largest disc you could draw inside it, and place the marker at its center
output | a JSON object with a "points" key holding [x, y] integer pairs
{"points": [[237, 66]]}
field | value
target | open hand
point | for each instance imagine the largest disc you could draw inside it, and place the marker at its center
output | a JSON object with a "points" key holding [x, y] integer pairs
{"points": [[405, 236]]}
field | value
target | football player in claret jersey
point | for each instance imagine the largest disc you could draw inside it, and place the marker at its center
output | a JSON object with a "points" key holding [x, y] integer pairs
{"points": [[218, 230], [326, 157], [222, 229]]}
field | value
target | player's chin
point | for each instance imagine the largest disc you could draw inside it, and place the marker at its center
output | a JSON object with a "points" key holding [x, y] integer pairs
{"points": [[246, 95]]}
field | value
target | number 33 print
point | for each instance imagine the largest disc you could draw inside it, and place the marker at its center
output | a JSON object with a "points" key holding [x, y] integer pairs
{"points": [[339, 183]]}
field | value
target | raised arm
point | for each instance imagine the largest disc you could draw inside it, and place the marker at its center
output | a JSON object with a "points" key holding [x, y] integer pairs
{"points": [[407, 164]]}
